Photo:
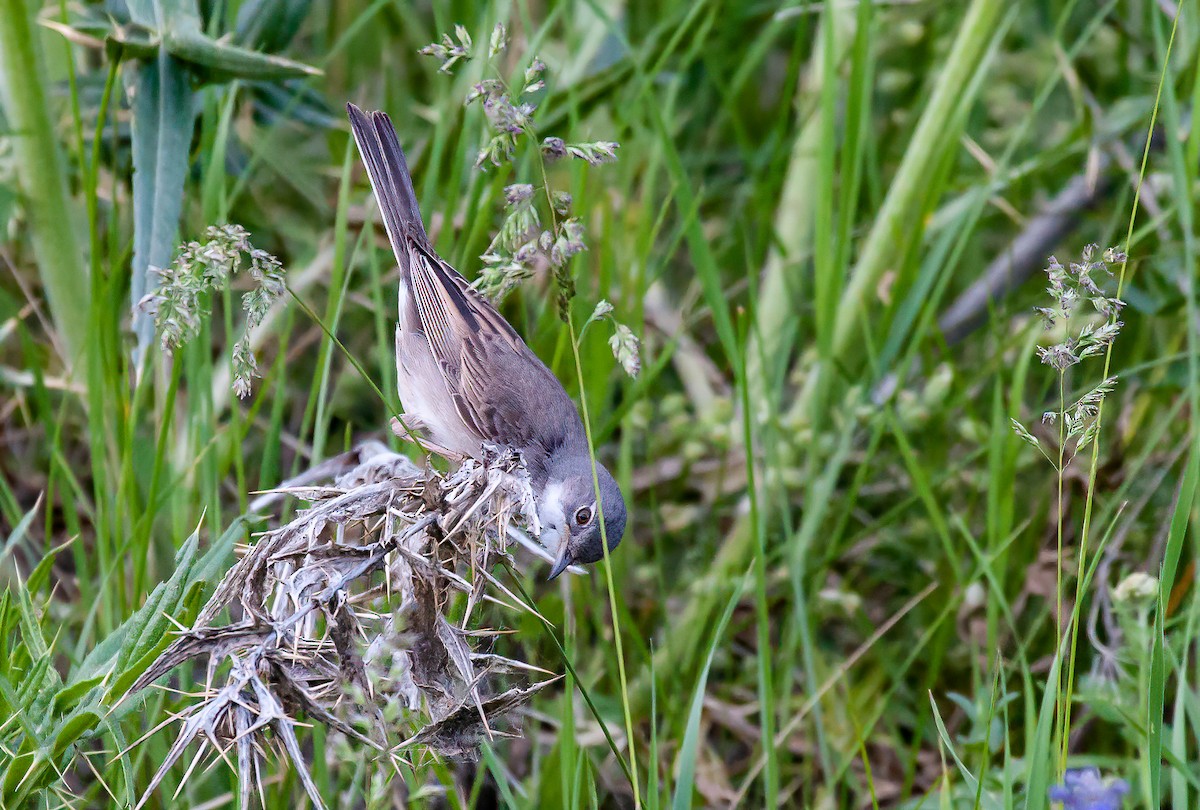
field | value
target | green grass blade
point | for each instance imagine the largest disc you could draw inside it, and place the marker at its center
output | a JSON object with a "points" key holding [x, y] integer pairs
{"points": [[690, 745]]}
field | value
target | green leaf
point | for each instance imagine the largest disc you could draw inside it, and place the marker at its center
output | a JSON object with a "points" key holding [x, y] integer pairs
{"points": [[1176, 537], [16, 783], [74, 727], [41, 572], [150, 623], [181, 34], [948, 744], [269, 25], [190, 605], [69, 697], [31, 629], [144, 634], [162, 135], [223, 61], [18, 533], [125, 42], [1041, 757], [25, 91]]}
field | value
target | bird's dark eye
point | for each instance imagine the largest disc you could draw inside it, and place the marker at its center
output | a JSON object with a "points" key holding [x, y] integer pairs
{"points": [[583, 516]]}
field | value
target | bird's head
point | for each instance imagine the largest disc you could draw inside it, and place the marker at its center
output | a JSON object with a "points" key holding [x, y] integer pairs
{"points": [[570, 515]]}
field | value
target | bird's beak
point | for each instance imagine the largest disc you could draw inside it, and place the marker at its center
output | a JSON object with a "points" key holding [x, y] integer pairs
{"points": [[564, 559]]}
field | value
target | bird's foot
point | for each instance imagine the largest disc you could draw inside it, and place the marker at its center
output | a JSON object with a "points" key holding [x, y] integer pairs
{"points": [[405, 426]]}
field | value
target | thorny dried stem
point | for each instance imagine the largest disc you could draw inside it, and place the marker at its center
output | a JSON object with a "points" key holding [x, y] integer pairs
{"points": [[345, 621]]}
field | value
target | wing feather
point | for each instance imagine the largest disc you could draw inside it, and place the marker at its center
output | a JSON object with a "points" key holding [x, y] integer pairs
{"points": [[500, 389]]}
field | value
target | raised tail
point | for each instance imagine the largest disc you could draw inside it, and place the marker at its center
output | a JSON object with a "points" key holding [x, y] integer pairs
{"points": [[388, 170]]}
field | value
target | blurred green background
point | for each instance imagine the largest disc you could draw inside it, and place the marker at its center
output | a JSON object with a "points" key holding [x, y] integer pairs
{"points": [[844, 571]]}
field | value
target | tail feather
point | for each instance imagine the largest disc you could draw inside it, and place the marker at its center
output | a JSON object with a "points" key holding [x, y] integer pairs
{"points": [[388, 170]]}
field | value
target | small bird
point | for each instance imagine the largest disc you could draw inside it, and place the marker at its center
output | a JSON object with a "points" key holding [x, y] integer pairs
{"points": [[465, 375]]}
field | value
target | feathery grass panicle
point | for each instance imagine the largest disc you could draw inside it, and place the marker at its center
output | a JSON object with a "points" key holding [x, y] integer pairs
{"points": [[1083, 321], [522, 244], [181, 300]]}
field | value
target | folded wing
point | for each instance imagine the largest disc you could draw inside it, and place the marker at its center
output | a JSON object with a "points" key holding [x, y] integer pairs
{"points": [[502, 392]]}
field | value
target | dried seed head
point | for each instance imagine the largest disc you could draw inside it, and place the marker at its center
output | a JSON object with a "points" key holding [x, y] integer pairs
{"points": [[381, 557]]}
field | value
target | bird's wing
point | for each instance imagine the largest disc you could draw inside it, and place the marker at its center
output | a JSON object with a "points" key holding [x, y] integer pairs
{"points": [[501, 390]]}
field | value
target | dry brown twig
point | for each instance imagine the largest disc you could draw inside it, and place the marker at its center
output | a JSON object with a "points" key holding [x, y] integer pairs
{"points": [[345, 620]]}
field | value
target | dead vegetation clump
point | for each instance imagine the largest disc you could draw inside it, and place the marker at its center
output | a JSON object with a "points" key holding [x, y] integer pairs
{"points": [[361, 613]]}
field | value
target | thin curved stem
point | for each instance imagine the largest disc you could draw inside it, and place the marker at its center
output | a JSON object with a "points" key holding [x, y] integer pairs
{"points": [[612, 594]]}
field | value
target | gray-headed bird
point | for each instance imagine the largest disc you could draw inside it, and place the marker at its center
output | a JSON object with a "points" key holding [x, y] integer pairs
{"points": [[466, 376]]}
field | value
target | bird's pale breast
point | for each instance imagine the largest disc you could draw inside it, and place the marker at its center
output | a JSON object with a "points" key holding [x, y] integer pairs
{"points": [[423, 392]]}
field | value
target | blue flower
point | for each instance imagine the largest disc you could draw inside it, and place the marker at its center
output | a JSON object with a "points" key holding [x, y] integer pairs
{"points": [[1082, 789]]}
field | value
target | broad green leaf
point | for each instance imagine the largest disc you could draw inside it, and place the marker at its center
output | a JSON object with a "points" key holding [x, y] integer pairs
{"points": [[162, 132], [147, 632], [222, 61]]}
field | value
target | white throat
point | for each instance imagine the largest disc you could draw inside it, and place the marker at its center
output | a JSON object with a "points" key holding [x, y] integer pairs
{"points": [[552, 518]]}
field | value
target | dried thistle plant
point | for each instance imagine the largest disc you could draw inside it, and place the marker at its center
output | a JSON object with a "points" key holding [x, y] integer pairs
{"points": [[345, 620], [180, 303], [539, 227]]}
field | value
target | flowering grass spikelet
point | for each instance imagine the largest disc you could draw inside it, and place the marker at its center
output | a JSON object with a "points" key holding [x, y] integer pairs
{"points": [[594, 153], [626, 347], [518, 192], [1074, 288], [569, 242], [554, 149], [449, 51], [522, 242], [179, 304], [533, 77], [499, 40]]}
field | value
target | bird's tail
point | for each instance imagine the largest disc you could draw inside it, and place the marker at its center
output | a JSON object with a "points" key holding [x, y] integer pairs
{"points": [[388, 170]]}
